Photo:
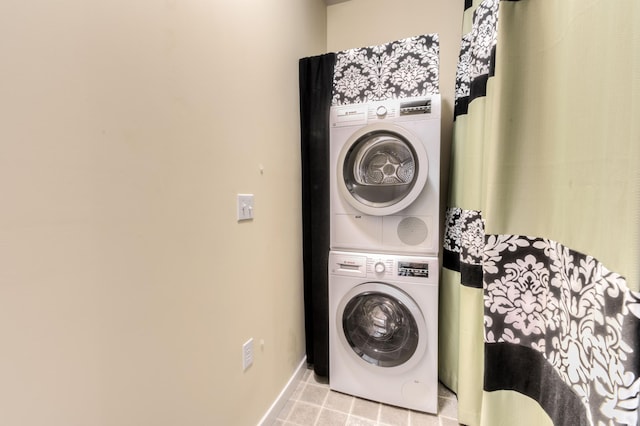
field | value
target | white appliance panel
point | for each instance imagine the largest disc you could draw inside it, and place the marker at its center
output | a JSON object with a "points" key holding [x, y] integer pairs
{"points": [[368, 196], [383, 334]]}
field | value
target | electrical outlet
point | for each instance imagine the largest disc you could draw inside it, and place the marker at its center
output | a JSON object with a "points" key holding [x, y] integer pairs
{"points": [[247, 354]]}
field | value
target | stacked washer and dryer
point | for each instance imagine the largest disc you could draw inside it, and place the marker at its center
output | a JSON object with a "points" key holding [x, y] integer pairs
{"points": [[383, 263]]}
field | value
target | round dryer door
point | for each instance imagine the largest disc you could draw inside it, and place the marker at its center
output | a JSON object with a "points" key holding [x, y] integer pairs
{"points": [[382, 325], [382, 169]]}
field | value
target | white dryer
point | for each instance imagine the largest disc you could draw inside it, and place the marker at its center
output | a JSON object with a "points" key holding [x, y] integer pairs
{"points": [[383, 328], [385, 176]]}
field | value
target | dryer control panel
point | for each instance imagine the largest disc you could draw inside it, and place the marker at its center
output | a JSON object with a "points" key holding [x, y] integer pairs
{"points": [[406, 109]]}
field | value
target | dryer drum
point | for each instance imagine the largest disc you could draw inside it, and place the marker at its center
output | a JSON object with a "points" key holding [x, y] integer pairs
{"points": [[380, 329], [380, 168], [383, 161]]}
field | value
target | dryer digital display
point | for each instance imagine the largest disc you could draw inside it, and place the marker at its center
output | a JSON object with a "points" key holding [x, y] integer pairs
{"points": [[416, 107]]}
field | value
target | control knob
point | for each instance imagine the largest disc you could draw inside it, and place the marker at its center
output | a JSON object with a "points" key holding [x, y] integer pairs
{"points": [[381, 111], [379, 267]]}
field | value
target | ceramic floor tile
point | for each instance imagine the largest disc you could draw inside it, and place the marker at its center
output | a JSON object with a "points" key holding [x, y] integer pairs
{"points": [[314, 394], [365, 409], [339, 401], [360, 421], [307, 374], [286, 410], [422, 419], [393, 416], [298, 391], [303, 414], [332, 418], [448, 422]]}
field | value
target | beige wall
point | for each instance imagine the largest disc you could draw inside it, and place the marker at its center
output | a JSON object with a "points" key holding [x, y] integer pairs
{"points": [[360, 23], [126, 285]]}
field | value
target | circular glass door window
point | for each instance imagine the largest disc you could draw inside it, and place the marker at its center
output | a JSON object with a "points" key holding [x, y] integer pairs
{"points": [[382, 169], [380, 329]]}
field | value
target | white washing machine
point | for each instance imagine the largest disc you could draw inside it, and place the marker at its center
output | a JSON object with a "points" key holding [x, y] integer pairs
{"points": [[385, 176], [383, 328]]}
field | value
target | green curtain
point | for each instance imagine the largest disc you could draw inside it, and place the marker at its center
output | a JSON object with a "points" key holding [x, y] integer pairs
{"points": [[540, 302]]}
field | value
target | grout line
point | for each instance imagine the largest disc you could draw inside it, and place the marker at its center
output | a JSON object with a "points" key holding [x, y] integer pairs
{"points": [[353, 402], [322, 407], [315, 422]]}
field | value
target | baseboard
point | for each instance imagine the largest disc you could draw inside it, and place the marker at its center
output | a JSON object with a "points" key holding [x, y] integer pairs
{"points": [[272, 414]]}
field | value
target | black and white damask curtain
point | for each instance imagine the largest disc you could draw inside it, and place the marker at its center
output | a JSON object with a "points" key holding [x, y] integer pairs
{"points": [[540, 310], [400, 69]]}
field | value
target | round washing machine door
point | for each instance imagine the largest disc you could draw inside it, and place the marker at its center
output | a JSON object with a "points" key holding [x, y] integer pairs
{"points": [[382, 169], [382, 326]]}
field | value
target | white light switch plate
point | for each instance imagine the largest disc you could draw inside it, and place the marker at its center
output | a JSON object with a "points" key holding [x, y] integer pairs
{"points": [[245, 207], [247, 354]]}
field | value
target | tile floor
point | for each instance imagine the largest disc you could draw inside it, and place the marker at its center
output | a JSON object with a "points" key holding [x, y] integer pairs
{"points": [[314, 404]]}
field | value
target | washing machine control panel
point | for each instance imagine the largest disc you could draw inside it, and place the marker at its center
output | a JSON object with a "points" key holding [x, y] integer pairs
{"points": [[389, 267], [383, 266]]}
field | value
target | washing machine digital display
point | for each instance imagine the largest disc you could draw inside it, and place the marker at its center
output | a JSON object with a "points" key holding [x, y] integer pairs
{"points": [[413, 269]]}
